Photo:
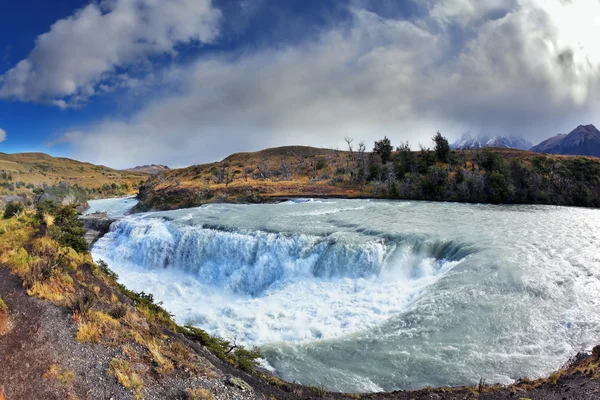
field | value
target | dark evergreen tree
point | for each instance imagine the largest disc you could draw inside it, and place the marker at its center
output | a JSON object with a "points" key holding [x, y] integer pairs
{"points": [[384, 148], [442, 147]]}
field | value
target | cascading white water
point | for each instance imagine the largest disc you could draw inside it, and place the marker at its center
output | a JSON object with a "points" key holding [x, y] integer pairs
{"points": [[372, 295], [252, 262]]}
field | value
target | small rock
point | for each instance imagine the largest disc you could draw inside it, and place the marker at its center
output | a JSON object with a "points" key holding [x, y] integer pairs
{"points": [[238, 383]]}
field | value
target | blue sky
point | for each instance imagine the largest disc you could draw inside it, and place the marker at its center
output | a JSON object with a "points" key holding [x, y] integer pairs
{"points": [[127, 82], [34, 125]]}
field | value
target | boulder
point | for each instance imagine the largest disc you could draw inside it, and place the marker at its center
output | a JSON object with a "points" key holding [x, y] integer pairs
{"points": [[96, 225]]}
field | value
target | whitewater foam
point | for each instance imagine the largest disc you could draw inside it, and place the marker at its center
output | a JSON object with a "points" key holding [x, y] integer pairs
{"points": [[270, 287]]}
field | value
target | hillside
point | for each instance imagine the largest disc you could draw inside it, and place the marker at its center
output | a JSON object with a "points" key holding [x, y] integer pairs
{"points": [[583, 140], [21, 173], [496, 175]]}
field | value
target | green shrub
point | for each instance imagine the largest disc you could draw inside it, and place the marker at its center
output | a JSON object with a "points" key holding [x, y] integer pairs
{"points": [[68, 229], [12, 209], [223, 349]]}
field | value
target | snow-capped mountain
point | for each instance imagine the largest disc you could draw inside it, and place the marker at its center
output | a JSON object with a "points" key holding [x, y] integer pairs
{"points": [[583, 140], [467, 141]]}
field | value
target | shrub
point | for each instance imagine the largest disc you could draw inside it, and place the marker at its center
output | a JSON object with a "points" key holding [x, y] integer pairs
{"points": [[223, 349], [13, 209], [68, 229]]}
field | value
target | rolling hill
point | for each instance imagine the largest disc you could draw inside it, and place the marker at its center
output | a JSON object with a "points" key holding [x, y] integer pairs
{"points": [[21, 173]]}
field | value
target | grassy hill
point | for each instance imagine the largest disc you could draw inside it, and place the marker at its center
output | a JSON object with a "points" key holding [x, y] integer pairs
{"points": [[21, 173], [502, 176]]}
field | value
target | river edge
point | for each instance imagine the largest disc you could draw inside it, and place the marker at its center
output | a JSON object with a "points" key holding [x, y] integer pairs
{"points": [[568, 382]]}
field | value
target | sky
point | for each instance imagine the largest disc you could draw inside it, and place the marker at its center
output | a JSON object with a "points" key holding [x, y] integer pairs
{"points": [[179, 82]]}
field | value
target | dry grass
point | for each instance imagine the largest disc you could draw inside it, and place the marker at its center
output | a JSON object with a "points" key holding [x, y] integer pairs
{"points": [[88, 332], [57, 290], [199, 394], [163, 364], [126, 376], [58, 373], [3, 316]]}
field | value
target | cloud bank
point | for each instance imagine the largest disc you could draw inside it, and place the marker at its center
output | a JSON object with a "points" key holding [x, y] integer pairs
{"points": [[2, 135], [522, 67], [86, 52]]}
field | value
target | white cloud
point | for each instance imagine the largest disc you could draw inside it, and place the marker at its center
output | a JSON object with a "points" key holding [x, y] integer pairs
{"points": [[2, 135], [518, 70], [69, 62]]}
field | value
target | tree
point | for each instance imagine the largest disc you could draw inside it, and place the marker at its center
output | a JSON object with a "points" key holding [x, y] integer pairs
{"points": [[406, 159], [442, 148], [384, 148]]}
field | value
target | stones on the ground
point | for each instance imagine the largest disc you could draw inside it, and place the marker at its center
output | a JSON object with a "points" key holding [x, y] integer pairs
{"points": [[238, 383]]}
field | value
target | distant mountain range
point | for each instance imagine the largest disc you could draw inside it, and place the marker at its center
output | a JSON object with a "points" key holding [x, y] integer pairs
{"points": [[467, 141], [148, 169], [583, 140]]}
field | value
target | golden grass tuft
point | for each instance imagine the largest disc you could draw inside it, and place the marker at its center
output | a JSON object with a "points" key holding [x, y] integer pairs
{"points": [[164, 365], [126, 376], [199, 394], [88, 332], [98, 327], [62, 375], [3, 316], [50, 290]]}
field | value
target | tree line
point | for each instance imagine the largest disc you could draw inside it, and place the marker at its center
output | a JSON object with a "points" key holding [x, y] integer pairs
{"points": [[498, 176]]}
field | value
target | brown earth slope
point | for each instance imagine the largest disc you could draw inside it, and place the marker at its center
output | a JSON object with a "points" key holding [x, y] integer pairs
{"points": [[20, 172]]}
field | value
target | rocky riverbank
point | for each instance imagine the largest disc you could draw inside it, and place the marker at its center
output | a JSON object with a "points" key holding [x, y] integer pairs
{"points": [[96, 225]]}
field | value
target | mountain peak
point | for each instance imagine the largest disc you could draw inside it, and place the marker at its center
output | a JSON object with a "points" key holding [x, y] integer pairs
{"points": [[468, 141], [583, 140]]}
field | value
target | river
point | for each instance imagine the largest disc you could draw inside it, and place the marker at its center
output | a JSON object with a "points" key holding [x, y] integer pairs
{"points": [[366, 295]]}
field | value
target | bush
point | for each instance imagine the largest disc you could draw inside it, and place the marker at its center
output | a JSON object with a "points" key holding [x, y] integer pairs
{"points": [[13, 209], [68, 229], [223, 349]]}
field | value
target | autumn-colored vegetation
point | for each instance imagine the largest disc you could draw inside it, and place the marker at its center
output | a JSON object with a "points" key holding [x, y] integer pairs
{"points": [[499, 176], [21, 173]]}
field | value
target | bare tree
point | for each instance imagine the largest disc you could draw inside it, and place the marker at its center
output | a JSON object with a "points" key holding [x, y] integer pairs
{"points": [[225, 175], [284, 170], [263, 171]]}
